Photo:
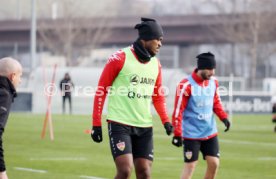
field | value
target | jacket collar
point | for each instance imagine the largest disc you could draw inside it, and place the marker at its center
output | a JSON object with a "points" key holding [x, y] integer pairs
{"points": [[6, 83]]}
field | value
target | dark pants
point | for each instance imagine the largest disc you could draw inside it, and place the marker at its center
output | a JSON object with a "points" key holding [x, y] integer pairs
{"points": [[63, 103]]}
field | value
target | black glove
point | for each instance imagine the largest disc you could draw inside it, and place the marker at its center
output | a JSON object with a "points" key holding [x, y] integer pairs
{"points": [[169, 128], [227, 124], [96, 134], [177, 141]]}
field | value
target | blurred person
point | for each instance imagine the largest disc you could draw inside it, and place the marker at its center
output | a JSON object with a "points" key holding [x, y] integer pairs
{"points": [[66, 85], [10, 78], [136, 72], [196, 101], [273, 103]]}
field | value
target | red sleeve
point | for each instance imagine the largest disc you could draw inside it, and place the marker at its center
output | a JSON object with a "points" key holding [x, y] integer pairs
{"points": [[158, 98], [182, 96], [218, 108], [112, 68]]}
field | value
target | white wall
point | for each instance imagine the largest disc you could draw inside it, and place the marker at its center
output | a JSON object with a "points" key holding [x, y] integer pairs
{"points": [[86, 78]]}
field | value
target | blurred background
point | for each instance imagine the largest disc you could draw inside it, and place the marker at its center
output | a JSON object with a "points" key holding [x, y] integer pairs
{"points": [[79, 36]]}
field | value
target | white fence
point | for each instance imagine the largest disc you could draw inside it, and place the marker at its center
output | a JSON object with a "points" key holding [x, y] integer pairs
{"points": [[86, 80]]}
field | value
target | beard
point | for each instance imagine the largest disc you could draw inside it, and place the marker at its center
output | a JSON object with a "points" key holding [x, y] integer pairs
{"points": [[205, 76]]}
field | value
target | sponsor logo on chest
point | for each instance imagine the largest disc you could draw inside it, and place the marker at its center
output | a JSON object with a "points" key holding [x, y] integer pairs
{"points": [[135, 79]]}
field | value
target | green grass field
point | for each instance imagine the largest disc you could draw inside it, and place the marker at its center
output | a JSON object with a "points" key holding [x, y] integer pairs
{"points": [[248, 150]]}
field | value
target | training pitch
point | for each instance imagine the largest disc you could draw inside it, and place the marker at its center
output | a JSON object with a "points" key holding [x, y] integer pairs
{"points": [[248, 150]]}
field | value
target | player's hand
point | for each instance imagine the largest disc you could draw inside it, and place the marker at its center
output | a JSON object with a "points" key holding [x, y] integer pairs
{"points": [[96, 134], [177, 141], [227, 124], [169, 128]]}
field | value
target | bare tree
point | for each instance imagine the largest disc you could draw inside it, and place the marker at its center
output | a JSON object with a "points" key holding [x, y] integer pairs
{"points": [[252, 27], [69, 35]]}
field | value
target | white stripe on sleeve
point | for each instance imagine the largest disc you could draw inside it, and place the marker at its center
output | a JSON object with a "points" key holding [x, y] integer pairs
{"points": [[180, 98]]}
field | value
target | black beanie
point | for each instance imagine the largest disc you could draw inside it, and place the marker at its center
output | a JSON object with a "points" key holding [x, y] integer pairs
{"points": [[149, 29], [206, 61]]}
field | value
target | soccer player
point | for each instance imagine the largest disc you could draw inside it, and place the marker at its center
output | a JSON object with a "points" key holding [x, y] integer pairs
{"points": [[196, 102], [273, 103], [10, 78], [134, 75]]}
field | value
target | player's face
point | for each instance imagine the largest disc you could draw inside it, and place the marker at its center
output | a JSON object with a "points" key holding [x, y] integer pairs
{"points": [[206, 74], [153, 46]]}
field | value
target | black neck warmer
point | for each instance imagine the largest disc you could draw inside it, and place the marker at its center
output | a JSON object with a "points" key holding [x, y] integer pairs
{"points": [[6, 84], [143, 55]]}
